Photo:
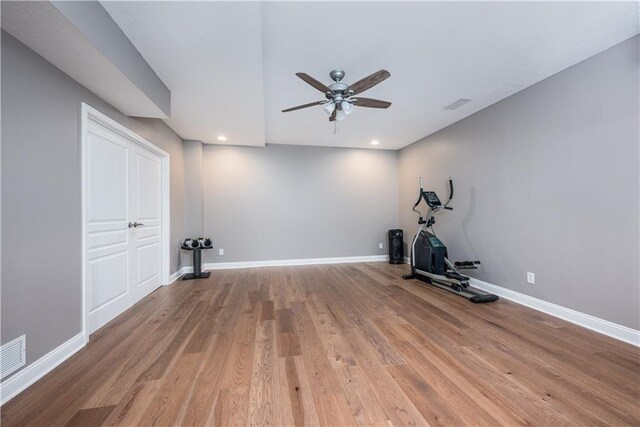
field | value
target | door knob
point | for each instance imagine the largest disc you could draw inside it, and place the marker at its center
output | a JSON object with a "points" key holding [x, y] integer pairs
{"points": [[135, 224]]}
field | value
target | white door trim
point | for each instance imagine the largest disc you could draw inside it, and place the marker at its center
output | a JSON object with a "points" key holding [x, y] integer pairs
{"points": [[89, 113]]}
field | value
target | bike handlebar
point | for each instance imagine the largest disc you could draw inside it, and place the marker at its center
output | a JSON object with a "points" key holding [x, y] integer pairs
{"points": [[421, 195]]}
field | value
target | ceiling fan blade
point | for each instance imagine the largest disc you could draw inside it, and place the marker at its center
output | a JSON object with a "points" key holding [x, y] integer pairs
{"points": [[371, 103], [313, 82], [369, 81], [332, 118], [299, 107]]}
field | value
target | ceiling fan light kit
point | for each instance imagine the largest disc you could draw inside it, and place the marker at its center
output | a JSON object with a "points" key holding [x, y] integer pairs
{"points": [[347, 107], [329, 107], [341, 97]]}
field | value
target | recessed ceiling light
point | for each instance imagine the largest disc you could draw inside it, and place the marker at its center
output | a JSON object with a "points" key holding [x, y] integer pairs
{"points": [[375, 142], [221, 138]]}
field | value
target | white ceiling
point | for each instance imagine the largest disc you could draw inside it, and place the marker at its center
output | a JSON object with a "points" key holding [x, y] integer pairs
{"points": [[231, 66]]}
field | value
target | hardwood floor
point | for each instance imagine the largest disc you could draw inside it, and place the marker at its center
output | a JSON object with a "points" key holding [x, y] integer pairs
{"points": [[349, 344]]}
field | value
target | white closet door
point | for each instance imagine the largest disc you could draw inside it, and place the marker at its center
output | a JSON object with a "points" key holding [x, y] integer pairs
{"points": [[107, 212], [123, 184], [146, 251]]}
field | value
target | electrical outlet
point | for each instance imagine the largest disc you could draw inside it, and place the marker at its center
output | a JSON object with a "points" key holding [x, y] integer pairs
{"points": [[220, 251], [380, 245], [531, 278]]}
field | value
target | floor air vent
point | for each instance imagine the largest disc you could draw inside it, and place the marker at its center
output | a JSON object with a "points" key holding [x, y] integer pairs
{"points": [[13, 355]]}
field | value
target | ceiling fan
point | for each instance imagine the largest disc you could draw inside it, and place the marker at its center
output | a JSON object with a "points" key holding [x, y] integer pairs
{"points": [[341, 97]]}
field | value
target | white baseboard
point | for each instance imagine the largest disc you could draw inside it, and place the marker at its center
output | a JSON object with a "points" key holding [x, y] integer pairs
{"points": [[15, 384], [596, 324], [288, 262], [175, 276], [277, 263]]}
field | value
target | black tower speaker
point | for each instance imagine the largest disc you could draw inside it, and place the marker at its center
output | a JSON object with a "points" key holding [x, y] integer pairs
{"points": [[396, 247]]}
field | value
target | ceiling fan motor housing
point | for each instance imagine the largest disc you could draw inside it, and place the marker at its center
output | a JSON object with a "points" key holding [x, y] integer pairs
{"points": [[338, 89]]}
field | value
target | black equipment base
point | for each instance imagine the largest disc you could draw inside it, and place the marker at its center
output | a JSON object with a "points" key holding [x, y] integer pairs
{"points": [[472, 294], [480, 299], [191, 276]]}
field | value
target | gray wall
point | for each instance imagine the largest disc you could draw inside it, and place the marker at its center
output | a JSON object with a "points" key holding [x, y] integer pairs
{"points": [[290, 202], [41, 286], [546, 181], [193, 189]]}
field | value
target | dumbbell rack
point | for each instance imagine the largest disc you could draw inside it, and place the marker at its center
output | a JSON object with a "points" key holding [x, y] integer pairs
{"points": [[197, 264]]}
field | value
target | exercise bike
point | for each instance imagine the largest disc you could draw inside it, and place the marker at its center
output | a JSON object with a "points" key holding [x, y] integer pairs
{"points": [[429, 258]]}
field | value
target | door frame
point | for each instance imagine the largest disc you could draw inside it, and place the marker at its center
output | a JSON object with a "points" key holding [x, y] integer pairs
{"points": [[88, 114]]}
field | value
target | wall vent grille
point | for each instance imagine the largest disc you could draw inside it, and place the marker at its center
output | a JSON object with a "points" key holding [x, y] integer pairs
{"points": [[459, 103], [13, 355]]}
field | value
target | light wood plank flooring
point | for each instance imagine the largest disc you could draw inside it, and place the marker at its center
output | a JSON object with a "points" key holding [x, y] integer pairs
{"points": [[349, 344]]}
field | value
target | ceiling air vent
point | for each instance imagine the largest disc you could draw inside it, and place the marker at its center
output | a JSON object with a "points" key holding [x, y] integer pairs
{"points": [[459, 103], [13, 355]]}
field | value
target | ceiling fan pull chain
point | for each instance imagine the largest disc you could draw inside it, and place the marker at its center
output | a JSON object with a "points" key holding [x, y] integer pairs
{"points": [[335, 127]]}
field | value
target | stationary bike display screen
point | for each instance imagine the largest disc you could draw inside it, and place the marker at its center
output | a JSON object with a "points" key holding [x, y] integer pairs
{"points": [[431, 198], [435, 242]]}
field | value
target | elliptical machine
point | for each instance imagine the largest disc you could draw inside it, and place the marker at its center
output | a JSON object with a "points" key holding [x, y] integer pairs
{"points": [[429, 258]]}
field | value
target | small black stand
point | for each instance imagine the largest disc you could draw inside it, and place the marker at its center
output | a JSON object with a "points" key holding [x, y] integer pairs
{"points": [[197, 265]]}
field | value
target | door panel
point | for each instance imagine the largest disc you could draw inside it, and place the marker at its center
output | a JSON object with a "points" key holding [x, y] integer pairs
{"points": [[147, 231], [107, 239], [146, 272], [148, 262], [108, 282], [108, 180], [148, 181], [99, 240]]}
